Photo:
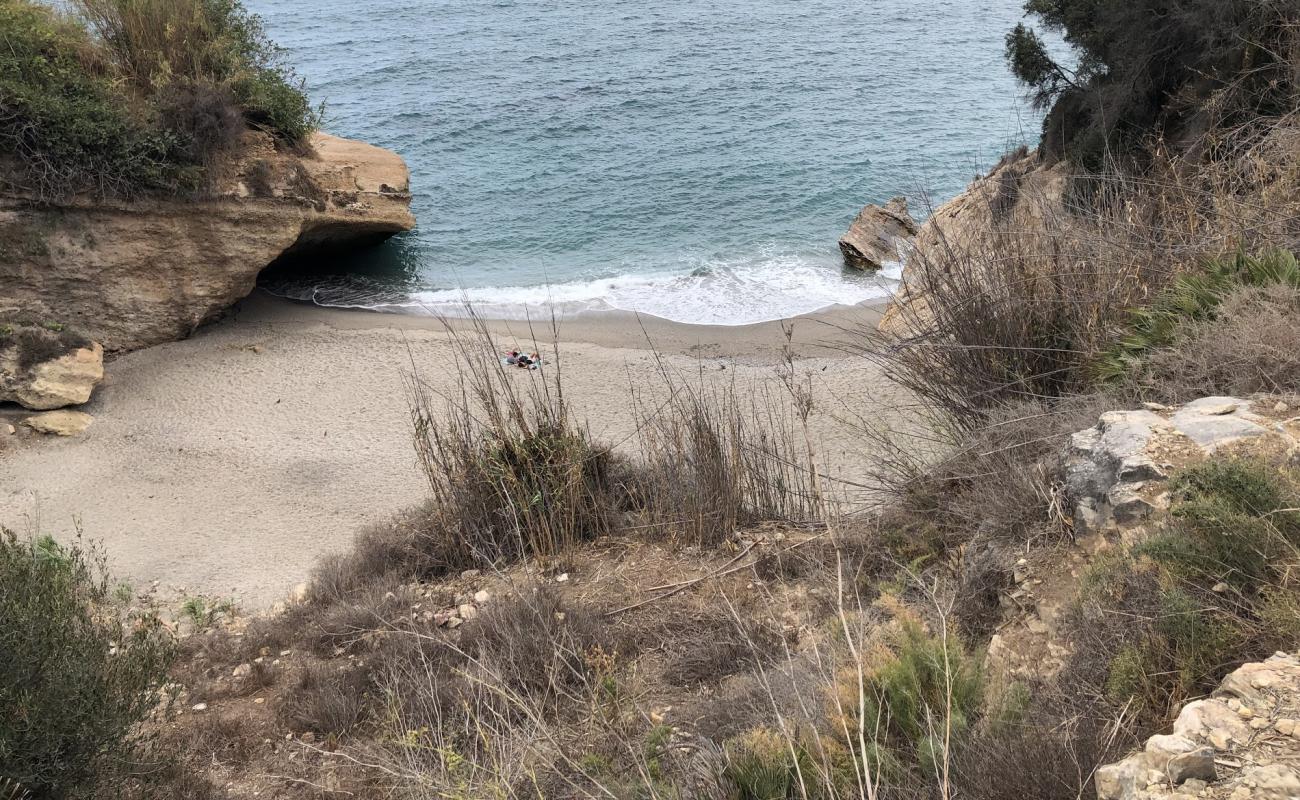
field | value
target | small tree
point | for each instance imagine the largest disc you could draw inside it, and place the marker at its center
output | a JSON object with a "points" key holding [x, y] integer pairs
{"points": [[1143, 64], [78, 675]]}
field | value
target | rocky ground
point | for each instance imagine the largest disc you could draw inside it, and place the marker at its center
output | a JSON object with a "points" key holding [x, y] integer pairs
{"points": [[1242, 743]]}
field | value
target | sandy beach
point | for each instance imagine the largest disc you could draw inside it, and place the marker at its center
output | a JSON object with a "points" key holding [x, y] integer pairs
{"points": [[227, 463]]}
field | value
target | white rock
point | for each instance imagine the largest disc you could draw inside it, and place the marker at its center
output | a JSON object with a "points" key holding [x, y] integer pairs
{"points": [[242, 671], [59, 423], [1220, 738], [482, 596], [1273, 782]]}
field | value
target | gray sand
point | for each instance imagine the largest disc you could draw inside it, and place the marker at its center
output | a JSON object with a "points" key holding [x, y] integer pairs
{"points": [[226, 464]]}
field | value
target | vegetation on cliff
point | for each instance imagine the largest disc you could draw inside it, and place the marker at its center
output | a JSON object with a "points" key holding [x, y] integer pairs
{"points": [[120, 97], [1151, 68], [734, 637]]}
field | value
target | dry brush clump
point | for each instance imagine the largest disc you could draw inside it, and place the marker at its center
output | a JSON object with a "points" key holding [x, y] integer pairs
{"points": [[513, 475], [510, 473], [714, 459]]}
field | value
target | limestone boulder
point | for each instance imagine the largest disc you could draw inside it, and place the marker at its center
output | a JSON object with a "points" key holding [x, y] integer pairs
{"points": [[43, 368], [878, 235], [1115, 472], [59, 423], [1239, 744]]}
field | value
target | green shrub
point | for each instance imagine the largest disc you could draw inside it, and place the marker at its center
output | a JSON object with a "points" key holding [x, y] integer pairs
{"points": [[272, 102], [910, 700], [161, 89], [1189, 298], [204, 46], [1143, 65], [79, 677], [763, 765], [62, 119], [1213, 588]]}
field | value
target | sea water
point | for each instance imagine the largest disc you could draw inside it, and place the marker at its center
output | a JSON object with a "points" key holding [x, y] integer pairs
{"points": [[691, 160]]}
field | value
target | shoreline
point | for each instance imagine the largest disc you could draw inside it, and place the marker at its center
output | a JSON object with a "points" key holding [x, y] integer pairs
{"points": [[228, 463], [825, 329]]}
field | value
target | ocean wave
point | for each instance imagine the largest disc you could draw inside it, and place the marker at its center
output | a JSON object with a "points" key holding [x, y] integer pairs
{"points": [[710, 294]]}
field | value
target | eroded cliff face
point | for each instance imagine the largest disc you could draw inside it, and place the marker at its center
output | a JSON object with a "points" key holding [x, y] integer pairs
{"points": [[1020, 193], [129, 274]]}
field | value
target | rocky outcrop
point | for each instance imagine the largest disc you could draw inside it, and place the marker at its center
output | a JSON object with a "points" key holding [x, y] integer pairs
{"points": [[43, 369], [1017, 195], [1116, 472], [141, 272], [1116, 486], [878, 236], [1243, 743]]}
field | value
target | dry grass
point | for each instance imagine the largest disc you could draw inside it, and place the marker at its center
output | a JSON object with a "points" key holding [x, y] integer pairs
{"points": [[1253, 345], [325, 698], [714, 460]]}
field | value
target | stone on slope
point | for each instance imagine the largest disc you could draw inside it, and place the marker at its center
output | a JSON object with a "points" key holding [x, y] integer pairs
{"points": [[1214, 752], [1115, 472], [60, 423]]}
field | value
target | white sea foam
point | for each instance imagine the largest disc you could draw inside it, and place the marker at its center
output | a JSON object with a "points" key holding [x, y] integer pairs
{"points": [[713, 294]]}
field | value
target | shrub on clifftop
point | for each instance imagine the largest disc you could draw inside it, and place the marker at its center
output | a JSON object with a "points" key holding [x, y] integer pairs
{"points": [[61, 119], [136, 95], [182, 51]]}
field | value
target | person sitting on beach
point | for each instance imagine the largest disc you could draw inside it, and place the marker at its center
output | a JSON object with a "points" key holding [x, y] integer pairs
{"points": [[511, 358]]}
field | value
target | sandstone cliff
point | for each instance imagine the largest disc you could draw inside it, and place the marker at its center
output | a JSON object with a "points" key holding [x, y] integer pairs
{"points": [[1018, 193], [129, 274]]}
